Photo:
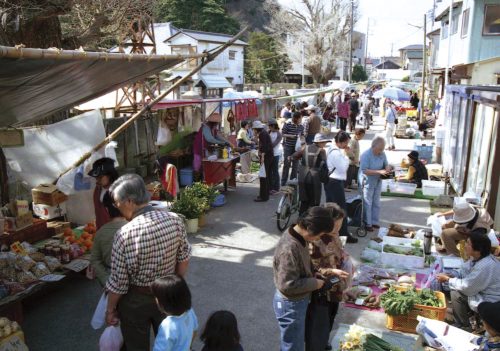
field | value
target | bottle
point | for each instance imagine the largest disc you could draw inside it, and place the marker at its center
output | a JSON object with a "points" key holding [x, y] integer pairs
{"points": [[224, 153]]}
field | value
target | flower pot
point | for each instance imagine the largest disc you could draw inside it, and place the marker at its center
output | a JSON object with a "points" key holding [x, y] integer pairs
{"points": [[202, 220], [191, 225]]}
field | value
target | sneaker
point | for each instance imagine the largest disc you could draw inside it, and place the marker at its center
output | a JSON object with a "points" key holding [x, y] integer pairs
{"points": [[351, 239]]}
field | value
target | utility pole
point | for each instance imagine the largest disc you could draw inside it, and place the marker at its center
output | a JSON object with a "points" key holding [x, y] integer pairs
{"points": [[450, 27], [424, 71], [392, 48], [350, 46], [366, 41], [302, 68]]}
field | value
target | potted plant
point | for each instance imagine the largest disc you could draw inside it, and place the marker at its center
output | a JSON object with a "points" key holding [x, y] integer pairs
{"points": [[205, 194], [191, 208]]}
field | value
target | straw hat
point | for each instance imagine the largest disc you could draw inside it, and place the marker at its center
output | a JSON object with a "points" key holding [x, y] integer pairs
{"points": [[257, 125], [215, 117], [463, 213], [321, 138]]}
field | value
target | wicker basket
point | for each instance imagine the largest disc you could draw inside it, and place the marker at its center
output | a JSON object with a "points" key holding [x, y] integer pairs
{"points": [[408, 323]]}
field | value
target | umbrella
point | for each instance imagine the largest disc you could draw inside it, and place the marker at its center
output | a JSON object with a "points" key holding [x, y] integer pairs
{"points": [[392, 93], [339, 84]]}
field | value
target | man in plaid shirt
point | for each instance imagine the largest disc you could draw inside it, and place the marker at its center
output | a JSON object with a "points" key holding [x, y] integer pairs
{"points": [[152, 245]]}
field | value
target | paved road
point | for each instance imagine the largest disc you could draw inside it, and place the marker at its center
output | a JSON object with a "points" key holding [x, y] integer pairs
{"points": [[231, 269]]}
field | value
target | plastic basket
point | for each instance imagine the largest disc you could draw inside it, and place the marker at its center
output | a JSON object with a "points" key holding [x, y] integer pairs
{"points": [[408, 323]]}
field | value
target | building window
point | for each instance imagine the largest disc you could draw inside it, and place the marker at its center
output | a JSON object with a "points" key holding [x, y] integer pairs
{"points": [[185, 50], [491, 20], [232, 55], [465, 23], [444, 32], [454, 28]]}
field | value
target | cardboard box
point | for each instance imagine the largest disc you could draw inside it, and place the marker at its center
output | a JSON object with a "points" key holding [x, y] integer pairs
{"points": [[49, 212], [58, 227], [13, 224], [47, 194]]}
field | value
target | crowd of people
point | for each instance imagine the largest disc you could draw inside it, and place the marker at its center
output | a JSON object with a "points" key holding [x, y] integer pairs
{"points": [[141, 255]]}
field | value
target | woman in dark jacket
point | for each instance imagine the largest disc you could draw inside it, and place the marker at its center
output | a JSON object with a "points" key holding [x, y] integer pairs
{"points": [[293, 276], [104, 172]]}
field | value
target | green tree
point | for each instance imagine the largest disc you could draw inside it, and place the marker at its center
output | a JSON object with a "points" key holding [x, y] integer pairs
{"points": [[264, 62], [205, 15], [359, 74]]}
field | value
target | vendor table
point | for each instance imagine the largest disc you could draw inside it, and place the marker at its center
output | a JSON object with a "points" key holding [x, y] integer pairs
{"points": [[222, 170]]}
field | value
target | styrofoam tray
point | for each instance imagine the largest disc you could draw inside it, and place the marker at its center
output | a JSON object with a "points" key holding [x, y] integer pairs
{"points": [[432, 188], [397, 260]]}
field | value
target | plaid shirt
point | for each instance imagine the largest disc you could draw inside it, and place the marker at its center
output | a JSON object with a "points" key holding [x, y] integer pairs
{"points": [[147, 248]]}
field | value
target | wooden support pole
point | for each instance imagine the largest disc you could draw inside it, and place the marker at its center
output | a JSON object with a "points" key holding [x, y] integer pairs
{"points": [[205, 61]]}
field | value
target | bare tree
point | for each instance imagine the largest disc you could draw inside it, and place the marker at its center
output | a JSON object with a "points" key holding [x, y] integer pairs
{"points": [[320, 27], [69, 24]]}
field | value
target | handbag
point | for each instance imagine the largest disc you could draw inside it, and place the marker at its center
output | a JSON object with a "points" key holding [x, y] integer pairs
{"points": [[262, 171]]}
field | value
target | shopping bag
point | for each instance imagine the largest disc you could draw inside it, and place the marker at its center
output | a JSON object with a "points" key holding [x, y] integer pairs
{"points": [[436, 223], [164, 135], [99, 317], [493, 238], [262, 171], [111, 339]]}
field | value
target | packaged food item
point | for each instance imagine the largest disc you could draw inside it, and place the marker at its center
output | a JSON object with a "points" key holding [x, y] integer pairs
{"points": [[24, 263], [14, 287], [52, 263], [26, 277], [37, 256], [28, 247], [8, 273], [40, 270]]}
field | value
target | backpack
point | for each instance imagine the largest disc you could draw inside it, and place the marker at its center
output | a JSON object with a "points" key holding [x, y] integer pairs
{"points": [[324, 173]]}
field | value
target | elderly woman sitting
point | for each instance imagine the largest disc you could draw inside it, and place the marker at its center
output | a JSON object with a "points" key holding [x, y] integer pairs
{"points": [[478, 280], [466, 218], [373, 164]]}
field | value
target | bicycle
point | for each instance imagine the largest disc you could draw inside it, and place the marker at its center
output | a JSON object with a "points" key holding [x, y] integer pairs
{"points": [[288, 205]]}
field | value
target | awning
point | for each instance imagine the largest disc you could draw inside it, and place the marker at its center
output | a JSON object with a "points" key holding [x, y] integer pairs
{"points": [[36, 83], [312, 93], [213, 82]]}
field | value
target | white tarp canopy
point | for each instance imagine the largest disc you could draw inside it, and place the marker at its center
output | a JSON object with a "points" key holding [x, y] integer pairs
{"points": [[50, 150]]}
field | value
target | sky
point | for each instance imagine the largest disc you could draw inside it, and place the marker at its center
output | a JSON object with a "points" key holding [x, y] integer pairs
{"points": [[389, 23]]}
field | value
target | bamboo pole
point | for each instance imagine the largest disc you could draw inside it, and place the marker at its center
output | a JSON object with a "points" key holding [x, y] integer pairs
{"points": [[20, 52], [210, 56]]}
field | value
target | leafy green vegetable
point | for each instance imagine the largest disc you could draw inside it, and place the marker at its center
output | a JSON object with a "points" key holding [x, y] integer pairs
{"points": [[401, 250], [374, 343], [397, 303]]}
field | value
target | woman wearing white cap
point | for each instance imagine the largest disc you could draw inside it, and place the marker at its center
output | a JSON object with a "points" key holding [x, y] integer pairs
{"points": [[466, 218]]}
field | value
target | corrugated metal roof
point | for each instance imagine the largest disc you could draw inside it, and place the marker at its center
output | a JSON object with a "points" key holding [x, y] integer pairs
{"points": [[213, 82], [413, 47], [207, 36]]}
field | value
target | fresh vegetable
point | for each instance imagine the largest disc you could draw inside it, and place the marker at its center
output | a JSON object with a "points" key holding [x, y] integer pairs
{"points": [[402, 250], [397, 302], [374, 343]]}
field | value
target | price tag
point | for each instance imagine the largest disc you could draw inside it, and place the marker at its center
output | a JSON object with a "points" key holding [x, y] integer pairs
{"points": [[77, 265], [52, 278]]}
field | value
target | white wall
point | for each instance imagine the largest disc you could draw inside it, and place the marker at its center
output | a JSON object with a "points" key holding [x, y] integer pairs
{"points": [[484, 72]]}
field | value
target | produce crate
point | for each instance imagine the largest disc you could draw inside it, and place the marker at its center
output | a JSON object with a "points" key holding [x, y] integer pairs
{"points": [[48, 194], [408, 323], [432, 187], [394, 259]]}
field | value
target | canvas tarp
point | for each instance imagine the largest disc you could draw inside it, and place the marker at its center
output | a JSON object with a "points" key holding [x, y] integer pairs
{"points": [[40, 82]]}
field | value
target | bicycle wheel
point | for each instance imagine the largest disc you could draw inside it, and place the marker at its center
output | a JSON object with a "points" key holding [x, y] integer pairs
{"points": [[361, 231], [284, 212]]}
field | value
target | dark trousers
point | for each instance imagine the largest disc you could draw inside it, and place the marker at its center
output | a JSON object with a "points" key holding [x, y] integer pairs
{"points": [[352, 174], [309, 139], [343, 123], [138, 313], [265, 182], [319, 323], [352, 120], [461, 309], [288, 151], [334, 192], [275, 174]]}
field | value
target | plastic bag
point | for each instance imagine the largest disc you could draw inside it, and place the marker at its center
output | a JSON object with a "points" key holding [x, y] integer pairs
{"points": [[99, 317], [262, 171], [298, 144], [370, 255], [436, 223], [164, 135], [111, 339], [493, 238]]}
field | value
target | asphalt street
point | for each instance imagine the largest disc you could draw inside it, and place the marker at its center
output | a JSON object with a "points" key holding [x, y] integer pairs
{"points": [[231, 269]]}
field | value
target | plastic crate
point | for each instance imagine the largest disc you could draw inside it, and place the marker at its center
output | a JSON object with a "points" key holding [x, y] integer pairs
{"points": [[408, 323], [402, 188], [432, 188], [398, 260]]}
